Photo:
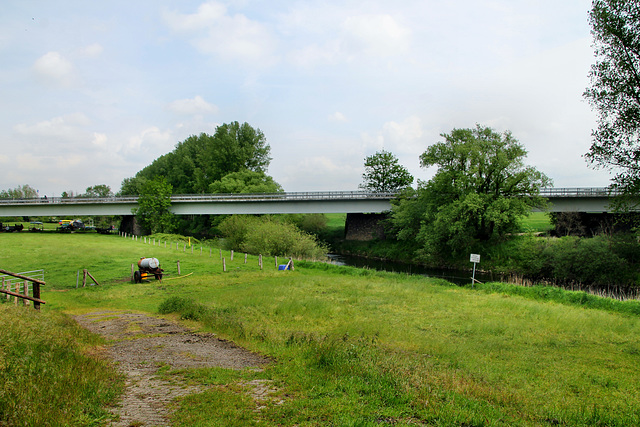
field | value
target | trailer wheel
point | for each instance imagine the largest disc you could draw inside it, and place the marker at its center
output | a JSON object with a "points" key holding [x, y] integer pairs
{"points": [[137, 277]]}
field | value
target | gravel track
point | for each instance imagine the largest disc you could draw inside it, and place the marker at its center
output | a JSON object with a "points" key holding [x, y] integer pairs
{"points": [[141, 344]]}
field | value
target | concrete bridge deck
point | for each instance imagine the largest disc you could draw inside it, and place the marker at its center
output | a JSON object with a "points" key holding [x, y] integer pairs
{"points": [[561, 200]]}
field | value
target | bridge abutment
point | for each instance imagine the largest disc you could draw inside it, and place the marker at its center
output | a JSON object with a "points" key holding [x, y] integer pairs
{"points": [[364, 226], [130, 225]]}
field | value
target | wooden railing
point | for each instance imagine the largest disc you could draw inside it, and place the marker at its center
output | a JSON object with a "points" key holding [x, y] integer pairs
{"points": [[6, 287]]}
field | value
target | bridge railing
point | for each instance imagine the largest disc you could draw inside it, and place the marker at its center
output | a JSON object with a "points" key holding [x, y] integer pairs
{"points": [[291, 196], [307, 195], [70, 200], [577, 192]]}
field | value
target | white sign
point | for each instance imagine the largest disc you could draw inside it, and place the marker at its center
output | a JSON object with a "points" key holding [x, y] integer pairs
{"points": [[475, 258]]}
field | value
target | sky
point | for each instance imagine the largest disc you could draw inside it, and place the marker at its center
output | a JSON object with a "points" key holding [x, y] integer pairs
{"points": [[92, 92]]}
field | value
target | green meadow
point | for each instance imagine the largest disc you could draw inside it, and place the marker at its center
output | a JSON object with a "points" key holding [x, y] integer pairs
{"points": [[350, 347]]}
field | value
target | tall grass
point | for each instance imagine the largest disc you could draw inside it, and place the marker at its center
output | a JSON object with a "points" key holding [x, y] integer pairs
{"points": [[50, 372], [364, 348]]}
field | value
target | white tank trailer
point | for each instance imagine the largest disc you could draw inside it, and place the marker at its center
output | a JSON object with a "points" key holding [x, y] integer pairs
{"points": [[146, 268]]}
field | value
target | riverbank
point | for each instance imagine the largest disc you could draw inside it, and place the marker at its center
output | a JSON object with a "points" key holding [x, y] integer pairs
{"points": [[605, 265]]}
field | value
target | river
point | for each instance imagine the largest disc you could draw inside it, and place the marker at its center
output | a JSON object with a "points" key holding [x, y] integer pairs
{"points": [[459, 277]]}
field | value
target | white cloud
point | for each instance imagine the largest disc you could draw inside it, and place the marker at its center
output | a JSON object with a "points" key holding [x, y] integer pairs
{"points": [[100, 140], [149, 144], [62, 128], [52, 68], [399, 137], [404, 135], [377, 35], [207, 14], [321, 173], [92, 50], [337, 117], [214, 31], [194, 106]]}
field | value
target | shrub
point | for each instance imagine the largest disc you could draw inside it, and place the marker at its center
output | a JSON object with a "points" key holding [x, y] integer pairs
{"points": [[600, 260], [263, 235]]}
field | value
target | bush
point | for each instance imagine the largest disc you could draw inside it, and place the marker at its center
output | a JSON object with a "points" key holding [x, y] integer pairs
{"points": [[599, 260], [263, 235]]}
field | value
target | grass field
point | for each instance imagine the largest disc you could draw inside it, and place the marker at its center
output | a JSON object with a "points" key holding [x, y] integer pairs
{"points": [[356, 347], [537, 222]]}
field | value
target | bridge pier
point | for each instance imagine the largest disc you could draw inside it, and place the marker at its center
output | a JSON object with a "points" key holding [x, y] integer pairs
{"points": [[130, 225], [364, 226]]}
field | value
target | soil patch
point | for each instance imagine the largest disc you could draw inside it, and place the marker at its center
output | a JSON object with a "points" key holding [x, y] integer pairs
{"points": [[141, 344]]}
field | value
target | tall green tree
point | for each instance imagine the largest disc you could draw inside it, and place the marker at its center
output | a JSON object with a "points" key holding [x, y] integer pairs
{"points": [[154, 202], [480, 191], [201, 160], [384, 174], [20, 192], [100, 190], [246, 181], [614, 91]]}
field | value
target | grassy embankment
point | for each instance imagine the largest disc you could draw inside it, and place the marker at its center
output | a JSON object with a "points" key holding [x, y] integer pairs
{"points": [[351, 347]]}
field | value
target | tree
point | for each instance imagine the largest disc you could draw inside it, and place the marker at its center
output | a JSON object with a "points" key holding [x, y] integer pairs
{"points": [[100, 190], [245, 181], [479, 192], [383, 174], [154, 203], [20, 192], [201, 160], [615, 91]]}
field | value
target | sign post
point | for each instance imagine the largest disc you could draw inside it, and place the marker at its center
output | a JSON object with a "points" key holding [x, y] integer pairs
{"points": [[475, 258]]}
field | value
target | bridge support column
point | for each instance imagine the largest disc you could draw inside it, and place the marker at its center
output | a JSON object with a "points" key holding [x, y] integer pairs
{"points": [[130, 225], [364, 226]]}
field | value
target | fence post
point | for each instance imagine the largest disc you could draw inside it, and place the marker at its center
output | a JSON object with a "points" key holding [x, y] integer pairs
{"points": [[260, 261], [231, 254], [36, 294], [276, 258], [25, 302], [15, 299], [84, 278], [224, 264], [245, 258], [178, 267]]}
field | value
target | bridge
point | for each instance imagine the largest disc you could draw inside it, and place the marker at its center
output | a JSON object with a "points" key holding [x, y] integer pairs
{"points": [[592, 200]]}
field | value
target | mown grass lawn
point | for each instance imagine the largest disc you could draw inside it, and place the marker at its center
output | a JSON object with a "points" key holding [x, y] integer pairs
{"points": [[356, 347]]}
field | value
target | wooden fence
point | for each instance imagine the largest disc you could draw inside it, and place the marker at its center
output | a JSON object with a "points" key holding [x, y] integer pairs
{"points": [[11, 284]]}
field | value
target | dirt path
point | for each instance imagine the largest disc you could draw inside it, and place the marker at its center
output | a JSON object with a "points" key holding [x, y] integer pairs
{"points": [[141, 344]]}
